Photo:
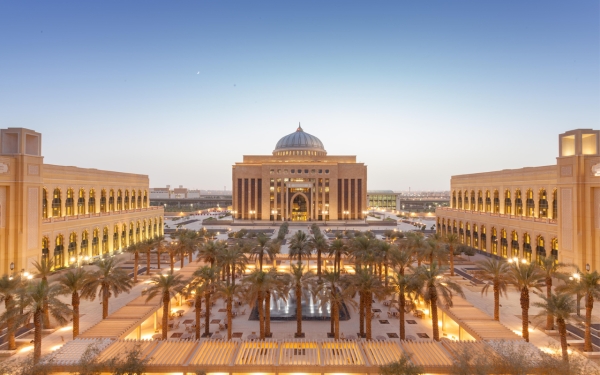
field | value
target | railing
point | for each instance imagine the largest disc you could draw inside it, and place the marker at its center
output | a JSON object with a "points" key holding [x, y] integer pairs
{"points": [[87, 216], [512, 217]]}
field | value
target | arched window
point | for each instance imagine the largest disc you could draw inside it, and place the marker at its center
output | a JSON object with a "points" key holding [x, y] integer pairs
{"points": [[145, 199], [529, 204], [503, 244], [139, 199], [494, 241], [496, 202], [468, 234], [92, 202], [72, 249], [131, 242], [540, 250], [45, 248], [473, 205], [454, 228], [132, 203], [488, 201], [124, 236], [543, 204], [527, 247], [111, 201], [56, 204], [480, 207], [81, 202], [95, 243], [137, 232], [554, 251], [483, 239], [475, 237], [105, 240], [466, 200], [507, 203], [145, 231], [514, 244], [155, 229], [518, 203], [461, 232], [115, 238], [119, 200], [70, 202], [85, 244], [59, 251], [126, 202], [554, 205], [460, 204], [453, 199], [44, 203], [103, 200]]}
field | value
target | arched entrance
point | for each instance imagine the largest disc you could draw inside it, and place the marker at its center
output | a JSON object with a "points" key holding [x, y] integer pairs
{"points": [[299, 207]]}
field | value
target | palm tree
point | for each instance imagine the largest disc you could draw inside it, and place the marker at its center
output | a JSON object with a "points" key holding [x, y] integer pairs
{"points": [[38, 294], [160, 248], [9, 287], [228, 292], [452, 241], [135, 250], [263, 247], [210, 250], [588, 286], [254, 293], [299, 282], [44, 269], [496, 273], [166, 286], [337, 248], [434, 285], [319, 243], [209, 276], [172, 249], [108, 280], [300, 245], [328, 293], [416, 243], [524, 277], [75, 283], [550, 266], [147, 247], [367, 285], [232, 258], [560, 307]]}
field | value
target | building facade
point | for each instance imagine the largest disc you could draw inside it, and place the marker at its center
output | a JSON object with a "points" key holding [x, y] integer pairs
{"points": [[69, 214], [534, 212], [299, 182]]}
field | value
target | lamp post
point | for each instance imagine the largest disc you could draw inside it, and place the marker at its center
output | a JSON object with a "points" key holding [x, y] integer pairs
{"points": [[252, 212], [325, 213], [365, 215], [577, 277], [346, 216], [233, 213], [274, 212]]}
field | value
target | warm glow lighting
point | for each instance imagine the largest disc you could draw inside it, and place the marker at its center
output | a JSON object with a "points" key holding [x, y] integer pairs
{"points": [[55, 347], [26, 349], [67, 328]]}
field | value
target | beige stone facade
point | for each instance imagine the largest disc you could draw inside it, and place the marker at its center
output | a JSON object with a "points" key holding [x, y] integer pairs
{"points": [[299, 182], [70, 214], [533, 212]]}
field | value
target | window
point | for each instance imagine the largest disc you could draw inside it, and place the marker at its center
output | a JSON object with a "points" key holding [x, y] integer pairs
{"points": [[496, 202], [293, 171], [460, 204], [320, 171], [503, 244], [44, 203], [507, 203], [272, 171], [92, 202], [70, 202], [518, 203], [466, 201], [326, 171], [527, 247], [103, 201], [554, 205], [312, 171], [494, 241], [81, 202], [529, 204], [306, 171], [480, 202], [488, 201], [285, 171], [56, 204], [543, 204], [540, 250], [514, 244], [278, 171]]}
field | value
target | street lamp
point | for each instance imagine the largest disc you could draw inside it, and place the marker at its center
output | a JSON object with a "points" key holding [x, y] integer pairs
{"points": [[346, 215], [252, 212], [577, 277], [325, 213], [233, 213], [365, 215], [274, 212]]}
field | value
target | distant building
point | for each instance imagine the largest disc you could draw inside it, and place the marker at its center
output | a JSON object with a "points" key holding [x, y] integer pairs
{"points": [[406, 201], [382, 199], [186, 200]]}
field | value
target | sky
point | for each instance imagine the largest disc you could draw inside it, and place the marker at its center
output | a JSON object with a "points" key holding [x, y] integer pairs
{"points": [[418, 90]]}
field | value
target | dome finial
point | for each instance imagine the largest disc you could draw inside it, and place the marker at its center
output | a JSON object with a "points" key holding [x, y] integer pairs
{"points": [[299, 128]]}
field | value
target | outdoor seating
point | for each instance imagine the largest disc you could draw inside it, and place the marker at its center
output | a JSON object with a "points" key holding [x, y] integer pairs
{"points": [[418, 313]]}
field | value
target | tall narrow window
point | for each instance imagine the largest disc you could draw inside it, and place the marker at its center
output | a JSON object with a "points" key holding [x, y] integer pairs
{"points": [[103, 200], [81, 202], [119, 200], [105, 240], [488, 201], [518, 203], [461, 233], [111, 201], [473, 205], [496, 202], [95, 244], [56, 204], [554, 205], [139, 199], [540, 250], [514, 244], [85, 246], [507, 203], [483, 239], [453, 199], [527, 247], [494, 241], [45, 248], [529, 204], [554, 252], [72, 249], [475, 237], [460, 201], [70, 203], [92, 202], [503, 244], [44, 203], [59, 250], [126, 202], [466, 201], [480, 202]]}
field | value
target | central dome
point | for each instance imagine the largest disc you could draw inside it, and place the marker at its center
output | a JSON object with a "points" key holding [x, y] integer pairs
{"points": [[300, 143]]}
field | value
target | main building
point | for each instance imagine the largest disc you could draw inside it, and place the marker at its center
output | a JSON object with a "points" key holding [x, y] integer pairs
{"points": [[299, 182], [534, 212]]}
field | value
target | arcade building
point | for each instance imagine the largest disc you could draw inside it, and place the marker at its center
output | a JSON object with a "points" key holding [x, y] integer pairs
{"points": [[299, 182]]}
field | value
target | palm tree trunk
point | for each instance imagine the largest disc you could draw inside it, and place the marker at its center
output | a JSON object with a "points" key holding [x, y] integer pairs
{"points": [[319, 264], [562, 330], [136, 259], [104, 302], [369, 314], [361, 315], [261, 316], [158, 259], [260, 261], [335, 318], [148, 263], [182, 258], [451, 260], [165, 317], [10, 324], [37, 336], [589, 305], [75, 304], [207, 317], [298, 311], [268, 314], [229, 316], [172, 257], [198, 305], [525, 312], [385, 273], [549, 317], [190, 257], [401, 306], [496, 302], [434, 316]]}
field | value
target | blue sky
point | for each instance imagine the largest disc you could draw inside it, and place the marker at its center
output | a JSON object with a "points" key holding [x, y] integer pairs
{"points": [[419, 91]]}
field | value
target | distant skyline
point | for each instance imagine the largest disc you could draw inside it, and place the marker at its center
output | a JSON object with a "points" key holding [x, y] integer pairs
{"points": [[419, 91]]}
